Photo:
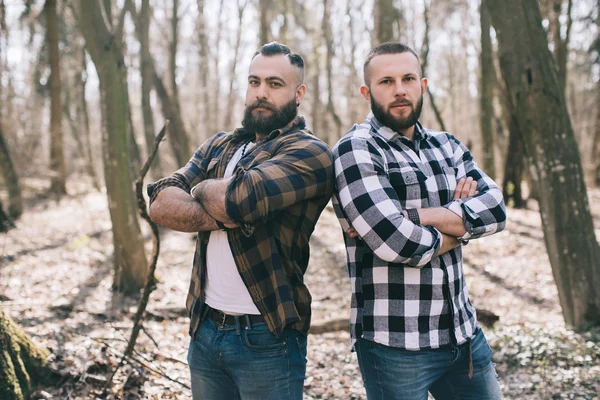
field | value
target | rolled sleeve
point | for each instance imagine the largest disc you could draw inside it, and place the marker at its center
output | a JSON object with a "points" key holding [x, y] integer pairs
{"points": [[485, 213], [372, 207], [191, 174], [300, 170]]}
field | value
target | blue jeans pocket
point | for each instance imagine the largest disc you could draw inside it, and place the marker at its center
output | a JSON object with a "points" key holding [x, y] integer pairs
{"points": [[260, 340]]}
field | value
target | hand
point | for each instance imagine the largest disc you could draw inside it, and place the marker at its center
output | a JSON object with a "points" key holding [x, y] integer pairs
{"points": [[465, 188], [352, 232]]}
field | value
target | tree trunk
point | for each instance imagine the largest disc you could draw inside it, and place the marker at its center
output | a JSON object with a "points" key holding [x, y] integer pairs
{"points": [[316, 107], [486, 95], [57, 158], [179, 137], [146, 75], [129, 247], [265, 34], [596, 144], [83, 117], [333, 134], [384, 16], [11, 179], [209, 129], [231, 94], [561, 46], [22, 362], [535, 94], [514, 169]]}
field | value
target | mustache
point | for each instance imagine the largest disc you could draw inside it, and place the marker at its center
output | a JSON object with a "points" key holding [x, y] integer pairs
{"points": [[262, 104], [400, 102]]}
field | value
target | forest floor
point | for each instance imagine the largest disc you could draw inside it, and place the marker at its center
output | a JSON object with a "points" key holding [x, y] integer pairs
{"points": [[56, 275]]}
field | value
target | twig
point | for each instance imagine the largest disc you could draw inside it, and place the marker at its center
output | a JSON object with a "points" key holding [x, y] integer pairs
{"points": [[144, 364], [150, 282]]}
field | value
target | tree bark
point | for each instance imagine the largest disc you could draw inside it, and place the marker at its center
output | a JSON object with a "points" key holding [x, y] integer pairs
{"points": [[333, 134], [561, 46], [536, 96], [11, 179], [265, 34], [486, 95], [179, 139], [129, 255], [384, 16], [231, 94], [57, 158], [22, 362], [209, 129], [147, 82]]}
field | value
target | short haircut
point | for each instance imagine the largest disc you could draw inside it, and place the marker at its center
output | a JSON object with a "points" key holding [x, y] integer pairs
{"points": [[276, 48], [388, 48]]}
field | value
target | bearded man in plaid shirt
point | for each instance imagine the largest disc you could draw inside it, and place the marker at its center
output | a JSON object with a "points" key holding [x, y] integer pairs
{"points": [[254, 196], [409, 199]]}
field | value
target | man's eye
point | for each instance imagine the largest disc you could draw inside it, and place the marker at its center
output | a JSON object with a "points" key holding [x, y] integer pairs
{"points": [[275, 84]]}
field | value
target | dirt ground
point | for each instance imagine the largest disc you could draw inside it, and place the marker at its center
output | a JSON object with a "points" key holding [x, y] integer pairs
{"points": [[56, 276]]}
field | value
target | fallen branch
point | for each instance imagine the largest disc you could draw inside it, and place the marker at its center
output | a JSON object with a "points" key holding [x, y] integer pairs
{"points": [[334, 325], [150, 280]]}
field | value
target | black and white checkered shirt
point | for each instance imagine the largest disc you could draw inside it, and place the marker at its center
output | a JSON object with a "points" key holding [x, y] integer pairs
{"points": [[405, 295]]}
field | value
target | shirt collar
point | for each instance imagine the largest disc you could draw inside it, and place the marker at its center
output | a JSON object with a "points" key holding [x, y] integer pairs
{"points": [[297, 123], [388, 134]]}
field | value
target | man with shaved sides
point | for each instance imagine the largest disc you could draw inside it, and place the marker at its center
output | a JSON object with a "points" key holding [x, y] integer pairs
{"points": [[409, 199], [254, 196]]}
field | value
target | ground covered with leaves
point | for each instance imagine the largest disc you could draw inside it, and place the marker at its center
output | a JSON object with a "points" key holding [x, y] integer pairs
{"points": [[56, 276]]}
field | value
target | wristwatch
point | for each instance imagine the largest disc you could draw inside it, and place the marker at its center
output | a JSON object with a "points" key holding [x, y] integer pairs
{"points": [[413, 215]]}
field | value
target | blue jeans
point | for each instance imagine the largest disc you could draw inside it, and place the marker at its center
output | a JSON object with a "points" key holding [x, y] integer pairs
{"points": [[391, 373], [248, 363]]}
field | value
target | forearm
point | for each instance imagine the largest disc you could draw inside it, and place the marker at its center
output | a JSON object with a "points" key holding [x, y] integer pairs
{"points": [[448, 243], [177, 210], [211, 195], [443, 220]]}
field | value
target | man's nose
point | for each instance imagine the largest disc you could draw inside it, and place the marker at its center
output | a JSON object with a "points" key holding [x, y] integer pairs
{"points": [[399, 89], [261, 92]]}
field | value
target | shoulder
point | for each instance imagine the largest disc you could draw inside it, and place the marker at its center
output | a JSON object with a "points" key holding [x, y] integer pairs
{"points": [[359, 135], [304, 139]]}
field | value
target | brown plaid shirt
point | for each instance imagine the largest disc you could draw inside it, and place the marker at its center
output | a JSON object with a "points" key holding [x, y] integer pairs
{"points": [[278, 191]]}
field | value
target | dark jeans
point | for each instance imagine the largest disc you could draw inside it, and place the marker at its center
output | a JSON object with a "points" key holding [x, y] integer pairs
{"points": [[395, 374], [249, 363]]}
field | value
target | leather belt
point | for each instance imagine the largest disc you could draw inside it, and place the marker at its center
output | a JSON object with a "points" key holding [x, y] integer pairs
{"points": [[226, 319]]}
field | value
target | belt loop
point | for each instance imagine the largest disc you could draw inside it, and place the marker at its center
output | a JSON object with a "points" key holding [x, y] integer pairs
{"points": [[248, 323], [237, 325], [470, 359]]}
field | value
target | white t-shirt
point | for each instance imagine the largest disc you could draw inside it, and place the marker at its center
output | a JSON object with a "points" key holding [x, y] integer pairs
{"points": [[224, 288]]}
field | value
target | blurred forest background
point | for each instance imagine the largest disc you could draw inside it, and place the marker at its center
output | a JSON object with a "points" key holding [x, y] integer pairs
{"points": [[85, 85]]}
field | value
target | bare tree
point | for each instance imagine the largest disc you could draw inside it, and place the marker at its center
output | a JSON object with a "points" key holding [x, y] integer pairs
{"points": [[209, 128], [561, 45], [129, 255], [333, 134], [179, 137], [425, 63], [57, 158], [486, 94], [264, 8], [385, 15], [539, 103], [147, 83], [232, 74]]}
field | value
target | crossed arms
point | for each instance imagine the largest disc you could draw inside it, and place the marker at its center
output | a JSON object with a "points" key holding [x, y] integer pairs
{"points": [[369, 203], [301, 169]]}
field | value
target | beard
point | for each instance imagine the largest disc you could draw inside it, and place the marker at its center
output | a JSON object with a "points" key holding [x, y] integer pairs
{"points": [[397, 124], [279, 117]]}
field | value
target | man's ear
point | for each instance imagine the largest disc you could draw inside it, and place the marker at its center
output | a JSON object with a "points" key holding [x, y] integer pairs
{"points": [[300, 92], [364, 90], [423, 85]]}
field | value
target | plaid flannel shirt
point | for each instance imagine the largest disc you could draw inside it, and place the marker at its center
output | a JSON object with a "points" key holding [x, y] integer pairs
{"points": [[403, 294], [279, 189]]}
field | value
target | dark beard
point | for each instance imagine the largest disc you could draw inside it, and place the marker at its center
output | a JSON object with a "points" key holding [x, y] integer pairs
{"points": [[279, 117], [396, 124]]}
